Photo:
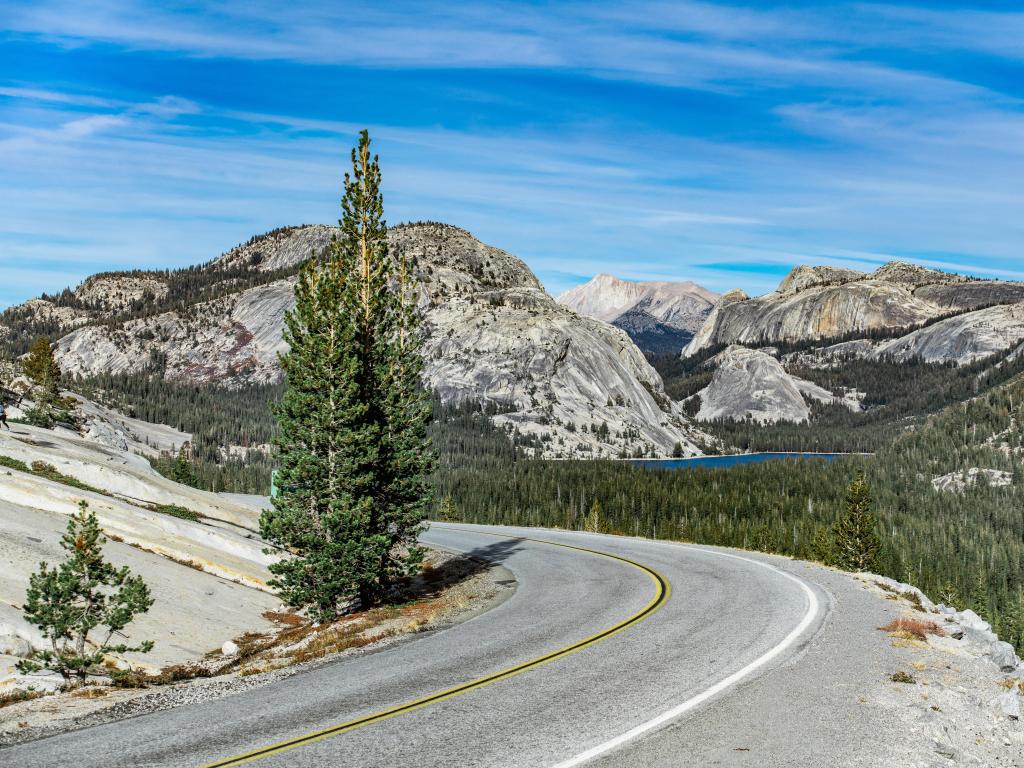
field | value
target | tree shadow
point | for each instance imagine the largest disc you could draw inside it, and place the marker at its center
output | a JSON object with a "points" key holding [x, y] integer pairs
{"points": [[445, 573]]}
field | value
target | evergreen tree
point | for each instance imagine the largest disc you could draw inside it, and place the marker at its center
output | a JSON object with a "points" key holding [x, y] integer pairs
{"points": [[82, 594], [41, 367], [182, 470], [823, 546], [978, 598], [594, 522], [355, 462], [950, 595], [855, 539], [447, 510]]}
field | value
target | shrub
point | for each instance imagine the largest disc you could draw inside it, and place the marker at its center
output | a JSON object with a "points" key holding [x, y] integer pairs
{"points": [[917, 628]]}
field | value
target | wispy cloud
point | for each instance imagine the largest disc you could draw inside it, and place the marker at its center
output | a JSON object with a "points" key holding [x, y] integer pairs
{"points": [[717, 141]]}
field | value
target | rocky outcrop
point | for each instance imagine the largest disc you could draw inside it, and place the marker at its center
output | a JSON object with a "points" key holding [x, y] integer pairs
{"points": [[820, 303], [958, 482], [963, 338], [492, 334], [749, 383], [116, 293], [803, 277], [658, 316]]}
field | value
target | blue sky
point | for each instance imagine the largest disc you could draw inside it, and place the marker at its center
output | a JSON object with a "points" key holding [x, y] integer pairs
{"points": [[717, 142]]}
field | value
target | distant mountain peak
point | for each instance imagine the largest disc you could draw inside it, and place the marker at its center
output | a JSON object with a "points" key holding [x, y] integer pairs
{"points": [[659, 316]]}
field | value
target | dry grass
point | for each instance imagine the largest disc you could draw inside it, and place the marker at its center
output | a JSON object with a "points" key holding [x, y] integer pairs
{"points": [[1010, 683], [287, 619], [91, 692], [902, 677], [908, 628], [16, 697], [894, 594]]}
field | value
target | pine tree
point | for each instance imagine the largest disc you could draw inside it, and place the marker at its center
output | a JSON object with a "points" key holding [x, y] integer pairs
{"points": [[182, 470], [447, 511], [856, 542], [823, 546], [978, 598], [355, 462], [594, 522], [41, 367], [949, 595], [80, 595]]}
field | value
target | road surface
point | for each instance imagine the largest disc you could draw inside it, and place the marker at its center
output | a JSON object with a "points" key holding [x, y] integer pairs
{"points": [[594, 660]]}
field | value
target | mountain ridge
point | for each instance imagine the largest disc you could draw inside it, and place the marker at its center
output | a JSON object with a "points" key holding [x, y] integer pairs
{"points": [[578, 386]]}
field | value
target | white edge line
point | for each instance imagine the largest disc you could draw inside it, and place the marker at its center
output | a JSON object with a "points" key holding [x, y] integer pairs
{"points": [[735, 677]]}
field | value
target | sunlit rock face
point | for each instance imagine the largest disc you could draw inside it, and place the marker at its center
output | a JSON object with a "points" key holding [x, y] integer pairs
{"points": [[660, 317], [815, 303], [492, 334], [750, 383]]}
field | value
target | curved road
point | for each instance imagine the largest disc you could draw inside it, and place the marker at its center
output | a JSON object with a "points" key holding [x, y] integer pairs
{"points": [[727, 618]]}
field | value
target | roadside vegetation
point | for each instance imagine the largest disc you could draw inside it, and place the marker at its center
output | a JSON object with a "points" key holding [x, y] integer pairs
{"points": [[352, 452], [81, 605]]}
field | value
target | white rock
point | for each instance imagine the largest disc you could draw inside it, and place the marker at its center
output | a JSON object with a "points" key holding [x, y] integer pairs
{"points": [[1009, 705], [968, 619], [230, 648], [818, 302], [957, 482], [14, 645], [46, 682], [977, 641], [578, 385], [1004, 656], [105, 434], [749, 382]]}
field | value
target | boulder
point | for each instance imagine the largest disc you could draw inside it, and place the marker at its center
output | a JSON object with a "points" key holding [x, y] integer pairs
{"points": [[970, 620], [1003, 655], [1009, 705], [230, 648], [106, 434], [977, 641]]}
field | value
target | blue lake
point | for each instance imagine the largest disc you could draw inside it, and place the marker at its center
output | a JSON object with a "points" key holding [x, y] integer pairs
{"points": [[731, 460]]}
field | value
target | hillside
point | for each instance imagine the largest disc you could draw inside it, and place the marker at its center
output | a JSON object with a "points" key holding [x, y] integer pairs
{"points": [[571, 385], [817, 304], [660, 317]]}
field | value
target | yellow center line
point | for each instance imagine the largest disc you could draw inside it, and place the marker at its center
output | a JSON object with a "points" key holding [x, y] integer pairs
{"points": [[661, 595]]}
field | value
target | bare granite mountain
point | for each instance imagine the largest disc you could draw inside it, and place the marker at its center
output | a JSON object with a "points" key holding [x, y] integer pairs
{"points": [[835, 317], [661, 317], [822, 303], [579, 385], [751, 384]]}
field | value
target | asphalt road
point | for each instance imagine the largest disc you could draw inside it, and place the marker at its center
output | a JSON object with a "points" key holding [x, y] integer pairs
{"points": [[728, 619]]}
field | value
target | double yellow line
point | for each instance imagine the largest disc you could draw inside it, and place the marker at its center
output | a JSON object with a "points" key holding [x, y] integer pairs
{"points": [[661, 595]]}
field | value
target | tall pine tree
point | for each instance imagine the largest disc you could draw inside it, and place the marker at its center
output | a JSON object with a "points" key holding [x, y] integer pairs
{"points": [[355, 462], [856, 542]]}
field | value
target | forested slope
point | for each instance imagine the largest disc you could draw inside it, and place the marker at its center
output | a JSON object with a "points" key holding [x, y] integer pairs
{"points": [[968, 547]]}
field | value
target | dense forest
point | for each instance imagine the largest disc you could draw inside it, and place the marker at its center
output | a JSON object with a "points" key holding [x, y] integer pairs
{"points": [[231, 428], [967, 548], [896, 395]]}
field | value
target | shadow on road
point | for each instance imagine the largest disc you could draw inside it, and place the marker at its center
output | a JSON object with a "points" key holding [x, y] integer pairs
{"points": [[441, 575]]}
